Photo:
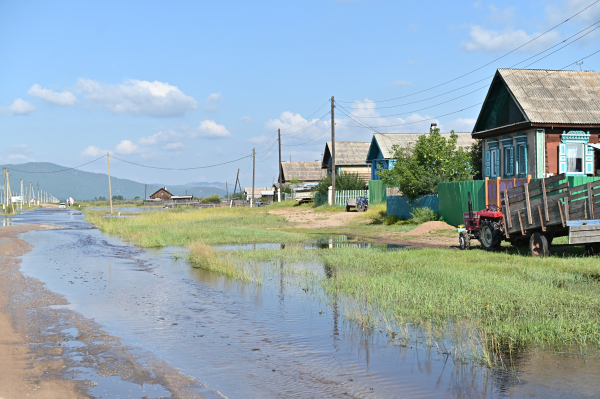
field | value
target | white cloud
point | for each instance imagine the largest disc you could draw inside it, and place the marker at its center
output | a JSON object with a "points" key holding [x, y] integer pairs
{"points": [[211, 101], [401, 83], [64, 98], [160, 137], [127, 147], [571, 7], [460, 125], [24, 148], [174, 146], [139, 97], [18, 107], [258, 140], [210, 129], [18, 157], [245, 119], [481, 39], [92, 151]]}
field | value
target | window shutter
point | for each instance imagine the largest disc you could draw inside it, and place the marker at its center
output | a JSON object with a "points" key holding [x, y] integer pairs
{"points": [[498, 162], [562, 158], [488, 170], [512, 161], [589, 160]]}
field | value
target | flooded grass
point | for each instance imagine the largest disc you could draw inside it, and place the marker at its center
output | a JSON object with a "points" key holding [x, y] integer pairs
{"points": [[213, 226]]}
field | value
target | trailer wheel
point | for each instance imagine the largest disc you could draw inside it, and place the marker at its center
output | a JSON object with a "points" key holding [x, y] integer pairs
{"points": [[347, 208], [360, 207], [538, 245], [593, 249], [490, 235], [464, 240]]}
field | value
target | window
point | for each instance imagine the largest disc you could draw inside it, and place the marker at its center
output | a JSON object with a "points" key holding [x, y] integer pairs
{"points": [[575, 158], [521, 159], [508, 161], [493, 163]]}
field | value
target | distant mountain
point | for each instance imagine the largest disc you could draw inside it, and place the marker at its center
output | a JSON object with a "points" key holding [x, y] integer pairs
{"points": [[215, 184], [87, 185]]}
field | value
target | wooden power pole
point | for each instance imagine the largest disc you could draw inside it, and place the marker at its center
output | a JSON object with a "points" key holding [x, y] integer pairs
{"points": [[253, 168], [332, 151], [109, 188], [279, 180]]}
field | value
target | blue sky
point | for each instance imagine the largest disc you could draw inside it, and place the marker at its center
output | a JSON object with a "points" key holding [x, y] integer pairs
{"points": [[184, 84]]}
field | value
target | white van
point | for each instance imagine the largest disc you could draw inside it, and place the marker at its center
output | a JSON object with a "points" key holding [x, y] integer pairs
{"points": [[62, 206]]}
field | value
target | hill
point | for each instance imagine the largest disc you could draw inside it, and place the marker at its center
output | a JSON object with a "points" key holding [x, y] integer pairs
{"points": [[87, 185]]}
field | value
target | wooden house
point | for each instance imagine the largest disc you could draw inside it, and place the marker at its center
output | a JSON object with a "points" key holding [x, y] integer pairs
{"points": [[540, 123], [161, 195], [304, 172], [380, 153], [349, 157]]}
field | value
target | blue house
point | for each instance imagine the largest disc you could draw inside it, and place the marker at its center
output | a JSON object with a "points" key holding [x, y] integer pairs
{"points": [[381, 150]]}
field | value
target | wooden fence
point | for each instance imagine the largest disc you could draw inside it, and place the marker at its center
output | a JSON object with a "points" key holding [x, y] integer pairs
{"points": [[494, 187]]}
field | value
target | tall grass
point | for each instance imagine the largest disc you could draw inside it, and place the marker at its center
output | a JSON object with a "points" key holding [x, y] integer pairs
{"points": [[181, 226]]}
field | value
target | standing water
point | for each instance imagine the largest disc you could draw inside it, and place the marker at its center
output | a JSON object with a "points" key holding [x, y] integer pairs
{"points": [[269, 340]]}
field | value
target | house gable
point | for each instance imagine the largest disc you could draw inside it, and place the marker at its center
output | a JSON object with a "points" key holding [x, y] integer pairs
{"points": [[499, 108], [374, 151]]}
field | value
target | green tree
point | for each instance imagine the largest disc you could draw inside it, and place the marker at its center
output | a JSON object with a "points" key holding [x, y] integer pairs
{"points": [[431, 160], [343, 181], [477, 159]]}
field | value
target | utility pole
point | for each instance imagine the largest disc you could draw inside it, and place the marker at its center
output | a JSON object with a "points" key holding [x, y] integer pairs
{"points": [[109, 188], [332, 151], [38, 194], [145, 192], [21, 194], [253, 168], [226, 190], [280, 169]]}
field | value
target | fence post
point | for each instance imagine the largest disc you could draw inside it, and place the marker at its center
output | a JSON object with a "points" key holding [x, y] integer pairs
{"points": [[498, 179], [487, 180], [330, 198]]}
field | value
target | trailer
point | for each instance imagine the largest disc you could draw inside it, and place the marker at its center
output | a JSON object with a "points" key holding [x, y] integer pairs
{"points": [[361, 204], [536, 213]]}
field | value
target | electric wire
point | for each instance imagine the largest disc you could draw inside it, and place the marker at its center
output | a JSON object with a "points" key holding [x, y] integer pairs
{"points": [[196, 167], [487, 77], [56, 171], [489, 63], [455, 112], [306, 119]]}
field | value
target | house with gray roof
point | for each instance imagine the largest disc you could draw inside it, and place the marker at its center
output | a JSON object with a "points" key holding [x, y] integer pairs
{"points": [[381, 152], [305, 172], [540, 123], [349, 157]]}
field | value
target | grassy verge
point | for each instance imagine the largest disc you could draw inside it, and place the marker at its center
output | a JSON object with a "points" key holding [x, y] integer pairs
{"points": [[181, 226]]}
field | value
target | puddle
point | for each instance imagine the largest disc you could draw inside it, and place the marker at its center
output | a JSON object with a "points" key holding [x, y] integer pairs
{"points": [[262, 341], [320, 243]]}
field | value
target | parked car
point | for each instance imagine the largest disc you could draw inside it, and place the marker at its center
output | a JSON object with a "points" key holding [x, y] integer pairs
{"points": [[62, 206]]}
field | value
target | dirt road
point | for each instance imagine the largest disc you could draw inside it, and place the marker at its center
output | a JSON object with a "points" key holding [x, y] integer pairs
{"points": [[48, 351]]}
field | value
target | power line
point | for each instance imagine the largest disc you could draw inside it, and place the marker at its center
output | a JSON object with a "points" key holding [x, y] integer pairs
{"points": [[197, 167], [314, 113], [56, 171], [487, 77], [483, 66], [356, 119]]}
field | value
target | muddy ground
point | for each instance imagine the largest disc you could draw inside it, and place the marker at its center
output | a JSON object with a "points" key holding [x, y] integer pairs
{"points": [[50, 351]]}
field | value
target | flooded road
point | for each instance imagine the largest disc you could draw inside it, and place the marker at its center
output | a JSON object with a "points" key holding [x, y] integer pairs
{"points": [[270, 340]]}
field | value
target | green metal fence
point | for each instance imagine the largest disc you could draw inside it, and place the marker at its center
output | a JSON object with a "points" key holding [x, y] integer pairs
{"points": [[377, 192], [453, 199]]}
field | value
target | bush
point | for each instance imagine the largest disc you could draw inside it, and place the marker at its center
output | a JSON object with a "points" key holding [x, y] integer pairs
{"points": [[422, 215], [345, 181], [213, 199]]}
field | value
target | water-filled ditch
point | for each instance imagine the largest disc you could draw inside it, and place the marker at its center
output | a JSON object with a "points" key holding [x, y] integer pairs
{"points": [[272, 339]]}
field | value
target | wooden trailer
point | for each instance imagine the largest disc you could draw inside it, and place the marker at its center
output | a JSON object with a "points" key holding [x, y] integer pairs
{"points": [[540, 211]]}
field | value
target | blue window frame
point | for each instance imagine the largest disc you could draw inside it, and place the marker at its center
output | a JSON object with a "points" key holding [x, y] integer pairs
{"points": [[492, 159], [575, 157], [521, 154], [508, 157]]}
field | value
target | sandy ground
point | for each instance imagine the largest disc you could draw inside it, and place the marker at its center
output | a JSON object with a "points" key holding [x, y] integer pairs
{"points": [[427, 235], [36, 360]]}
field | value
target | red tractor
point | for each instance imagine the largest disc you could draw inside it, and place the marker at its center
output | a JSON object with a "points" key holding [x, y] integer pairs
{"points": [[485, 226]]}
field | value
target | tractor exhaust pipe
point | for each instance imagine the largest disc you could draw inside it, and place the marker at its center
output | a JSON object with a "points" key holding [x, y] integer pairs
{"points": [[470, 206]]}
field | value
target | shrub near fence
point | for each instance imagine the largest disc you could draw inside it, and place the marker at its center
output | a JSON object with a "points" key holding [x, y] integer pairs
{"points": [[453, 199]]}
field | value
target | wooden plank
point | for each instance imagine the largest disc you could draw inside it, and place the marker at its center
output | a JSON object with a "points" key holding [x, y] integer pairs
{"points": [[577, 196], [579, 215], [521, 223], [505, 229], [517, 194], [538, 184], [567, 209], [576, 189], [528, 204], [535, 193], [545, 199], [587, 227], [583, 240], [590, 203], [562, 217], [595, 233], [507, 202], [541, 218]]}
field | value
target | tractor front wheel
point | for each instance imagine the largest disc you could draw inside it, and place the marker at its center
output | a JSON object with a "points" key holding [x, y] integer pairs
{"points": [[464, 240], [490, 235], [539, 245]]}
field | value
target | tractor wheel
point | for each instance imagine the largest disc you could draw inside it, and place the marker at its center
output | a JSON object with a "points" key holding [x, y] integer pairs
{"points": [[464, 240], [538, 245], [347, 208], [593, 249], [490, 235]]}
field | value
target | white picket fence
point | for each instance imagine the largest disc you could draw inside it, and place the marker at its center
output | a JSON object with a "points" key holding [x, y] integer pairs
{"points": [[342, 196]]}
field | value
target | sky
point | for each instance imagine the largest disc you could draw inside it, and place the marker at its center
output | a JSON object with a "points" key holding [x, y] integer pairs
{"points": [[185, 84]]}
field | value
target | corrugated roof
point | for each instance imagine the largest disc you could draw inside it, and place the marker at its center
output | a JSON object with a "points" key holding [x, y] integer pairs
{"points": [[303, 171], [346, 153], [386, 141], [545, 96]]}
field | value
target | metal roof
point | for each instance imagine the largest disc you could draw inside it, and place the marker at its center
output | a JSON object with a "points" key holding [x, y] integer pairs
{"points": [[385, 141], [303, 171], [346, 153], [546, 96]]}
